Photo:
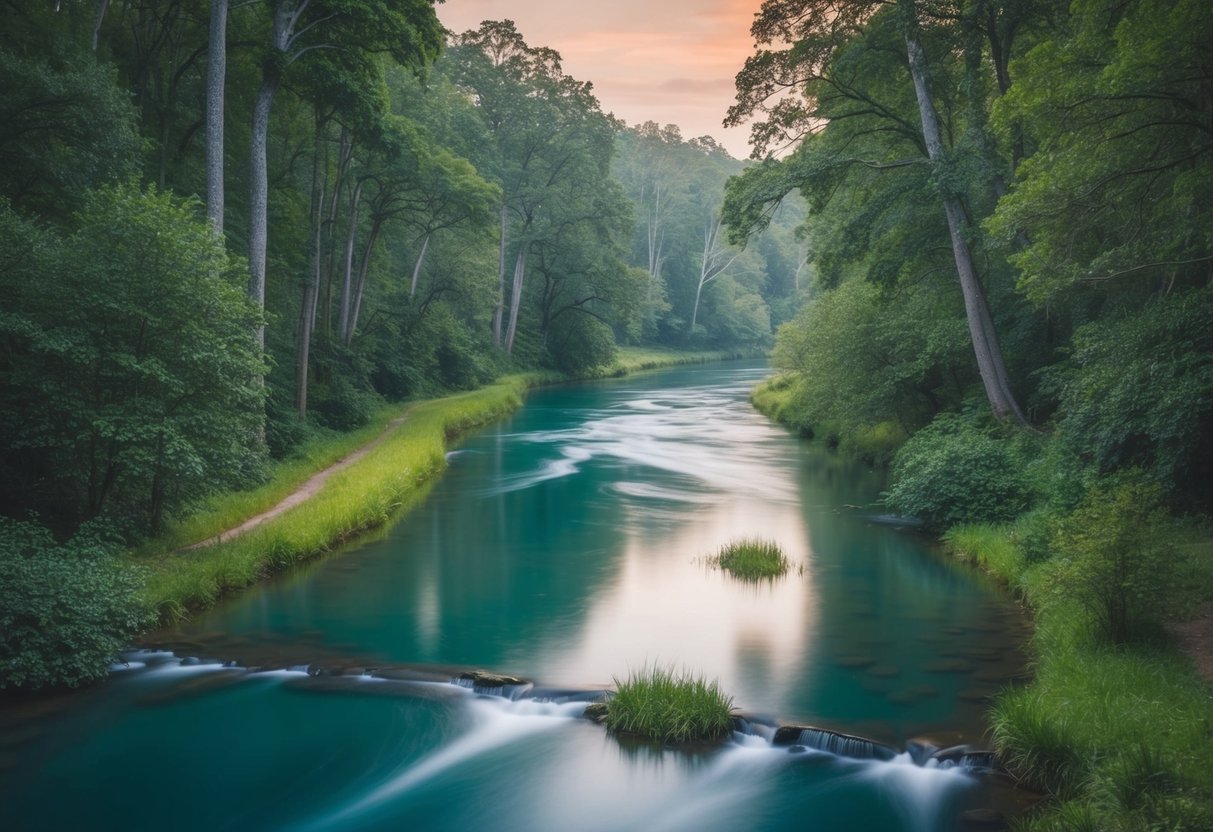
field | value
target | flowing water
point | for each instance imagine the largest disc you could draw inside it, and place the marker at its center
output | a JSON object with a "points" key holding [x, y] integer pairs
{"points": [[567, 546]]}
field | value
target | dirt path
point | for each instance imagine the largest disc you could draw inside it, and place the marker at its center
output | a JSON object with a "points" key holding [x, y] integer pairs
{"points": [[304, 492]]}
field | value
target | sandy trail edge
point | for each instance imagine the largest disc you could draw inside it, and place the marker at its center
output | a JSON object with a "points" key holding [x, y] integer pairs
{"points": [[304, 492]]}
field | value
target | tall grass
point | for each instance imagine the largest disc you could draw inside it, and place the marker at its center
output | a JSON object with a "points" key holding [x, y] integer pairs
{"points": [[990, 547], [751, 558], [669, 706]]}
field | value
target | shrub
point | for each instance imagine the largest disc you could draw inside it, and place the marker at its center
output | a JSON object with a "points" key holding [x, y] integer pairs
{"points": [[951, 472], [66, 610], [1116, 556], [751, 558], [669, 706]]}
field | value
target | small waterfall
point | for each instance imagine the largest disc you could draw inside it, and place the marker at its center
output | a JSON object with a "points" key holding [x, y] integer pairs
{"points": [[833, 742]]}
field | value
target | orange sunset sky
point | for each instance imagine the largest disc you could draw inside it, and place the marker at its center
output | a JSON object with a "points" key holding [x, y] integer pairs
{"points": [[669, 61]]}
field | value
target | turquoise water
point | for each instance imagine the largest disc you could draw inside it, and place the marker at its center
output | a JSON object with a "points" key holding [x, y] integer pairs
{"points": [[567, 546]]}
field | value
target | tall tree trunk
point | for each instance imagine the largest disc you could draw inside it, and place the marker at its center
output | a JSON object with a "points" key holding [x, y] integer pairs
{"points": [[347, 281], [98, 19], [515, 299], [259, 193], [216, 72], [311, 291], [499, 311], [709, 267], [990, 361], [417, 266], [360, 283], [345, 154]]}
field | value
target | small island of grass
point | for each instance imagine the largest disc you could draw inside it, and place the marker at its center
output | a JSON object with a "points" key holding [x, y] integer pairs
{"points": [[752, 558], [669, 706]]}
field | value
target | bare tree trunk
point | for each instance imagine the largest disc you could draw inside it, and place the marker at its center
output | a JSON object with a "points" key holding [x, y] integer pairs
{"points": [[515, 299], [360, 283], [307, 310], [417, 266], [345, 154], [499, 311], [259, 195], [216, 72], [102, 8], [347, 284], [709, 267], [990, 361]]}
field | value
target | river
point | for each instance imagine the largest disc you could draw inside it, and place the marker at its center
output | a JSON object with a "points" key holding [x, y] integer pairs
{"points": [[566, 545]]}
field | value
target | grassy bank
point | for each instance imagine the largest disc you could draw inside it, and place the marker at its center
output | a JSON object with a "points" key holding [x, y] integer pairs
{"points": [[1121, 736], [779, 398], [365, 496]]}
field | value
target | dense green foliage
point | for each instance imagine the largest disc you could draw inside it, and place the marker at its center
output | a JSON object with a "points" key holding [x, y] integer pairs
{"points": [[669, 706], [1054, 160], [67, 609], [751, 558], [130, 364]]}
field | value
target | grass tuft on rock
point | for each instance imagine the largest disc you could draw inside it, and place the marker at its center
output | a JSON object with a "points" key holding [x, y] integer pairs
{"points": [[752, 558], [669, 706]]}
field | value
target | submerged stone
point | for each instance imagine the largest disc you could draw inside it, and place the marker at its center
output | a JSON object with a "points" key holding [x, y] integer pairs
{"points": [[484, 679], [596, 712]]}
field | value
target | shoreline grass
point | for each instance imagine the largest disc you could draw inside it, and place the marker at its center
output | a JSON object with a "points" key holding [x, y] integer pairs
{"points": [[1118, 736], [370, 494], [669, 706], [751, 558]]}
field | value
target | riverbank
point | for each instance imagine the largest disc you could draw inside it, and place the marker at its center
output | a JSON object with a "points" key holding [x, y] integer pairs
{"points": [[1117, 734], [399, 454]]}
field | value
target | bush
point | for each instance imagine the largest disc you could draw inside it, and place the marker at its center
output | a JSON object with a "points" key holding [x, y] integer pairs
{"points": [[66, 610], [665, 705], [1116, 556], [951, 472]]}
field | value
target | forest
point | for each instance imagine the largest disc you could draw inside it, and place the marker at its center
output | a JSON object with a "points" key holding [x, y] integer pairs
{"points": [[1010, 253], [227, 228]]}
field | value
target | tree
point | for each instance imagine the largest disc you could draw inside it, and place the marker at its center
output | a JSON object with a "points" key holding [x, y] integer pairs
{"points": [[1117, 199], [216, 73], [823, 84], [65, 126], [130, 365], [407, 29], [713, 261], [548, 131]]}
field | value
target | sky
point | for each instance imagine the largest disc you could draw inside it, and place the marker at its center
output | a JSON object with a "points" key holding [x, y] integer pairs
{"points": [[668, 61]]}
